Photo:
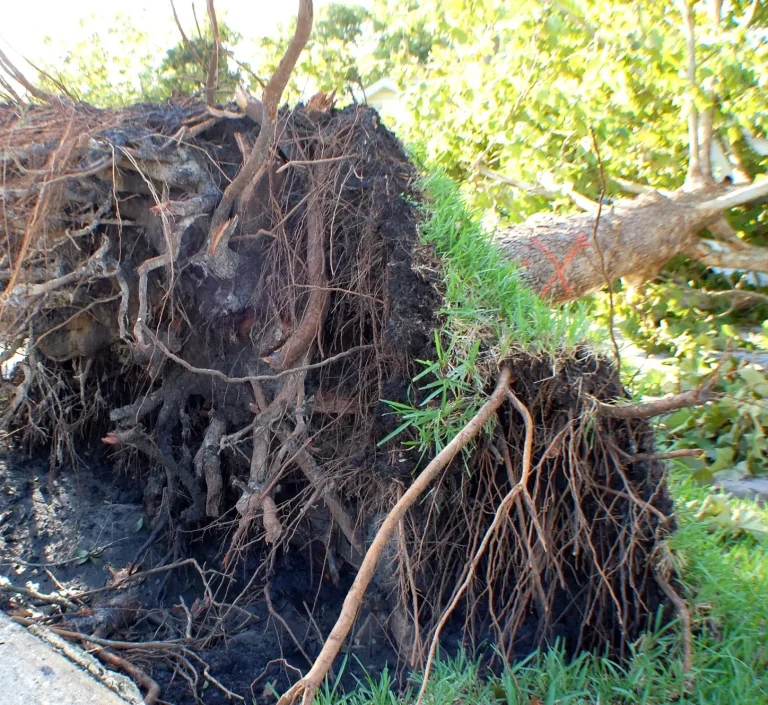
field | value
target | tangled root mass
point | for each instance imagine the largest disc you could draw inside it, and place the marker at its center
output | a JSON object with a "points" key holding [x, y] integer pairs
{"points": [[239, 375]]}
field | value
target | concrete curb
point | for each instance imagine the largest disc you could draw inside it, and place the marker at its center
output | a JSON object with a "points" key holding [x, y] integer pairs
{"points": [[34, 671]]}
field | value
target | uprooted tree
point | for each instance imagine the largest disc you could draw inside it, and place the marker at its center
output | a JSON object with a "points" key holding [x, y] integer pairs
{"points": [[225, 297]]}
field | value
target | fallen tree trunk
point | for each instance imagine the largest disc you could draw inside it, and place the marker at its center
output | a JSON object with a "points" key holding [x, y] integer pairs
{"points": [[566, 258]]}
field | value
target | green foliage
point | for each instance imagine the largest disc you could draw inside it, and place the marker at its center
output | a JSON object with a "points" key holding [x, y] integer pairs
{"points": [[117, 66], [537, 79], [730, 642], [184, 68], [108, 68], [336, 57], [693, 330], [731, 518]]}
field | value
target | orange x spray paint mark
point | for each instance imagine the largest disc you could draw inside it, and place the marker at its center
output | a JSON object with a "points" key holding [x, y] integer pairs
{"points": [[579, 244]]}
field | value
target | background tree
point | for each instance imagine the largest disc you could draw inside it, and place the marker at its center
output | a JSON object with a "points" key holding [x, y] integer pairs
{"points": [[118, 66]]}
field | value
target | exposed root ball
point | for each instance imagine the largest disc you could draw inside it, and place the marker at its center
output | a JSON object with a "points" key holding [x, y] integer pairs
{"points": [[572, 557], [237, 369]]}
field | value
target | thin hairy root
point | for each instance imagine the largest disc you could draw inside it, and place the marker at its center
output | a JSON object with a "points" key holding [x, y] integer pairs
{"points": [[309, 467], [307, 686], [314, 316], [416, 645], [499, 516], [685, 617], [279, 619]]}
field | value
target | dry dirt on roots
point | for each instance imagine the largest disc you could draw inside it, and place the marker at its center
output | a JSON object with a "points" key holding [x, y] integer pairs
{"points": [[235, 373]]}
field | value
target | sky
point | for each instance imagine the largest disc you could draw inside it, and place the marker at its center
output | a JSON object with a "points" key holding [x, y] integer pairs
{"points": [[26, 25]]}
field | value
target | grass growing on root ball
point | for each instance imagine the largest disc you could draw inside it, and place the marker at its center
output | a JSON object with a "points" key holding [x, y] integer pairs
{"points": [[489, 315], [728, 579]]}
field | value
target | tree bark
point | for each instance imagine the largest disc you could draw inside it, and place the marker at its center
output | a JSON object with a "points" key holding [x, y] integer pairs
{"points": [[565, 258]]}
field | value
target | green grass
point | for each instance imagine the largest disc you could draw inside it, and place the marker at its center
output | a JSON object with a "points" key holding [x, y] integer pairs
{"points": [[728, 595], [485, 298], [488, 315]]}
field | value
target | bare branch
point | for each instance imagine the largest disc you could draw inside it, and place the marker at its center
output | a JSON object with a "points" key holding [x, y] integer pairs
{"points": [[185, 39], [740, 297], [746, 258], [749, 17], [638, 189], [737, 197], [706, 134], [550, 192], [672, 402], [668, 455], [7, 65], [694, 178], [647, 410], [213, 63], [270, 99], [685, 618]]}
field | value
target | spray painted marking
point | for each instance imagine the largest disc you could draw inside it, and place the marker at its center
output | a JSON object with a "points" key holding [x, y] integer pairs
{"points": [[579, 244]]}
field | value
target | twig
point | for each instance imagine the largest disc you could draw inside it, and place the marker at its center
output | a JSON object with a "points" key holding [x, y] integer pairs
{"points": [[599, 250], [685, 617], [636, 188], [36, 595], [647, 410], [100, 641], [252, 378], [670, 454], [121, 685], [278, 618], [190, 620], [694, 177], [57, 564], [742, 296], [310, 162], [151, 686], [7, 65], [213, 62], [672, 402], [185, 39], [581, 201], [737, 197], [307, 686], [145, 574]]}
